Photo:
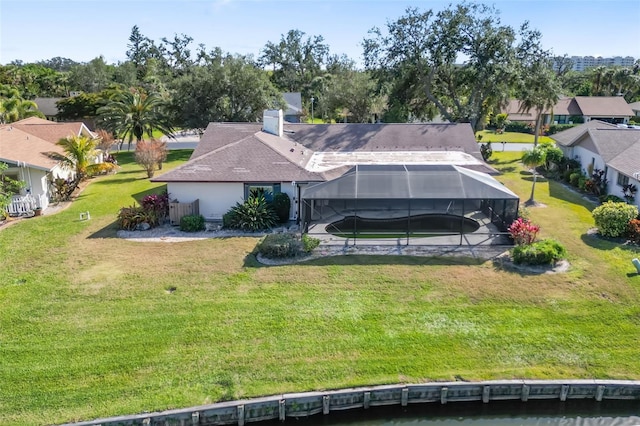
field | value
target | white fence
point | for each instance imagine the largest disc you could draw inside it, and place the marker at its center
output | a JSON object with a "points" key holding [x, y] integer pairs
{"points": [[21, 204]]}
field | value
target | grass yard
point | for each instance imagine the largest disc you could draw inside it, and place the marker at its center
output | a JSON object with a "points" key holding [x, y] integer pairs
{"points": [[89, 328], [510, 137]]}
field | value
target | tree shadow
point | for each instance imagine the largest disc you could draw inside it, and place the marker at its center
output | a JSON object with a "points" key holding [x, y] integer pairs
{"points": [[109, 231], [562, 192]]}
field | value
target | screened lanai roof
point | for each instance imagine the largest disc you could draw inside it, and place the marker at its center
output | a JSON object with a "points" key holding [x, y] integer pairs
{"points": [[410, 181]]}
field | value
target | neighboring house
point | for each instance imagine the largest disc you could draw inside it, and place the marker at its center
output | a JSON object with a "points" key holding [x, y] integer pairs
{"points": [[605, 146], [48, 107], [234, 158], [635, 107], [24, 147], [611, 109], [293, 113]]}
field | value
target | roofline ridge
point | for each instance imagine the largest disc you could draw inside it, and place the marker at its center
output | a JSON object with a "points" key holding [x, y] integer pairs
{"points": [[277, 152]]}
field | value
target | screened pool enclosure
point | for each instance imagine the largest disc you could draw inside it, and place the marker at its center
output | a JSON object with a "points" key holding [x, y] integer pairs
{"points": [[404, 204]]}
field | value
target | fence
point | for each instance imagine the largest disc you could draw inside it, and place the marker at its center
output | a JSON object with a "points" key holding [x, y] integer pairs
{"points": [[281, 407], [178, 210]]}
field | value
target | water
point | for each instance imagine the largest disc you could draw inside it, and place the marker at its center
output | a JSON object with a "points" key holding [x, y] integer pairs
{"points": [[498, 413]]}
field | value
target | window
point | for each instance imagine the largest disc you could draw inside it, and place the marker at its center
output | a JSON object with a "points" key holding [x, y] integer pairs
{"points": [[267, 189], [623, 180]]}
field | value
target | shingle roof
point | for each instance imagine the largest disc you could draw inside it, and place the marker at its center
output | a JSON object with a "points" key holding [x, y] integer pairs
{"points": [[384, 137], [241, 152], [603, 106], [618, 147], [244, 160], [51, 131], [571, 136], [17, 145], [47, 106]]}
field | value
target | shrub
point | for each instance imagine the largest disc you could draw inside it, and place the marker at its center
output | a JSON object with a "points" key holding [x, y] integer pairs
{"points": [[634, 230], [629, 192], [101, 169], [515, 126], [276, 246], [309, 243], [574, 178], [555, 128], [192, 223], [130, 217], [582, 183], [553, 156], [612, 219], [150, 154], [610, 197], [523, 231], [282, 205], [486, 151], [255, 214], [540, 253]]}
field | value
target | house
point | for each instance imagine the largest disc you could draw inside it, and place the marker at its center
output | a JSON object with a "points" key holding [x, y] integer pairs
{"points": [[48, 107], [612, 109], [24, 147], [605, 146], [293, 113], [635, 107], [232, 159]]}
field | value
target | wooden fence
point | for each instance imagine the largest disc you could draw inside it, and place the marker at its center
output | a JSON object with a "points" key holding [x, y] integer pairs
{"points": [[178, 210]]}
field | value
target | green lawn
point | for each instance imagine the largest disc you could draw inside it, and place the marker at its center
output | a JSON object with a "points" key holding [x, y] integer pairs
{"points": [[89, 329], [510, 137]]}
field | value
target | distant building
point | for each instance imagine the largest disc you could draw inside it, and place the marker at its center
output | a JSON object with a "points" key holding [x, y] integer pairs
{"points": [[582, 63]]}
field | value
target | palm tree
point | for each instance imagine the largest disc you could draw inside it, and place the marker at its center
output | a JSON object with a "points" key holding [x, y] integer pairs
{"points": [[540, 91], [79, 150], [132, 114], [533, 158], [13, 107]]}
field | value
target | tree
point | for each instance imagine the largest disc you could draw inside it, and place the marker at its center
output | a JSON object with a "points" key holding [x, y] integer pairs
{"points": [[150, 154], [92, 77], [13, 107], [420, 54], [294, 61], [538, 86], [81, 106], [533, 158], [79, 150], [228, 88], [133, 113]]}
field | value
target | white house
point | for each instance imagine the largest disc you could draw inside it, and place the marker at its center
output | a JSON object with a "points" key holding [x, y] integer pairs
{"points": [[25, 147], [605, 146], [234, 158]]}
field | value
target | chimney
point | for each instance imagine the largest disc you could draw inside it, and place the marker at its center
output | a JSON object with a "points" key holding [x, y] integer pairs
{"points": [[272, 122]]}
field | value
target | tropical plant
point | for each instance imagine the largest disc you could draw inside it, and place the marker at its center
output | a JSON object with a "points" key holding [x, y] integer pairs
{"points": [[79, 151], [486, 151], [13, 107], [629, 192], [132, 114], [612, 219], [255, 214], [533, 158], [130, 217], [523, 232]]}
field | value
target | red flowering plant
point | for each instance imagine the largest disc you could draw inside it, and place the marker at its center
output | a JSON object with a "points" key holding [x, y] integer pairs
{"points": [[523, 231], [157, 204]]}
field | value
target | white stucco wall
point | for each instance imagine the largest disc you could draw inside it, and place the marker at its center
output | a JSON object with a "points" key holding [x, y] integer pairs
{"points": [[615, 189], [215, 199]]}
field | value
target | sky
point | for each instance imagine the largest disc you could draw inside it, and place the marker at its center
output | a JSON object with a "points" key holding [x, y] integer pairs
{"points": [[81, 30]]}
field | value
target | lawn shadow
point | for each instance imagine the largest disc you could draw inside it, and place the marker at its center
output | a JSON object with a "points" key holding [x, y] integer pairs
{"points": [[599, 242], [565, 193], [251, 260], [109, 231]]}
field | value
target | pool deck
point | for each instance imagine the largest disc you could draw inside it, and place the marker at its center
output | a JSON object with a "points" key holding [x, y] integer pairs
{"points": [[487, 233]]}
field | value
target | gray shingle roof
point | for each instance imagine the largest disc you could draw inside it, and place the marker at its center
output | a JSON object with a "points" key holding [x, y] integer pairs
{"points": [[618, 147], [241, 152]]}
